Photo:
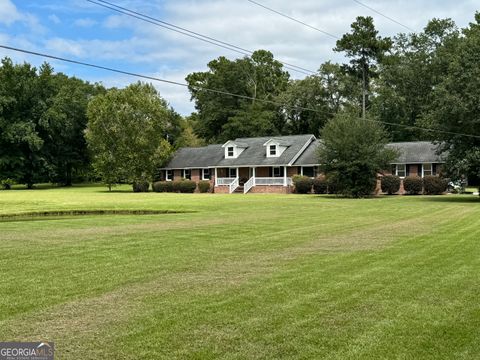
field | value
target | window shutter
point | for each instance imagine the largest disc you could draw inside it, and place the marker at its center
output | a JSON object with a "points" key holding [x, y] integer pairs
{"points": [[394, 169], [407, 170], [434, 169], [419, 169], [270, 172]]}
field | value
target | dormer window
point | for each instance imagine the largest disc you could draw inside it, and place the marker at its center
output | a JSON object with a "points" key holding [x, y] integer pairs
{"points": [[275, 147], [273, 150], [233, 149]]}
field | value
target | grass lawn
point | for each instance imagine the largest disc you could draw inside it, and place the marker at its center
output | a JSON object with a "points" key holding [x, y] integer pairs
{"points": [[242, 277]]}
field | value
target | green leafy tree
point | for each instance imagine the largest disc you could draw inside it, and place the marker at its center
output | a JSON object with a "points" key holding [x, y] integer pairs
{"points": [[409, 75], [310, 102], [455, 106], [126, 133], [65, 120], [353, 152], [21, 142], [221, 116], [366, 49]]}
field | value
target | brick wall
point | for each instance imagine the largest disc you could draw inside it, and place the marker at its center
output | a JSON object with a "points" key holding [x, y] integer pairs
{"points": [[221, 190], [272, 189], [293, 170], [262, 172]]}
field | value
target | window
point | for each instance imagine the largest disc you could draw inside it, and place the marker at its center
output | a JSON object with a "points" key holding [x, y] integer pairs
{"points": [[277, 171], [169, 175], [187, 174], [205, 174], [230, 151], [273, 150], [309, 171], [401, 170], [232, 172], [427, 169]]}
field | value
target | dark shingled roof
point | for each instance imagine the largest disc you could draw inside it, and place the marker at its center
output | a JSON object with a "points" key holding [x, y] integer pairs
{"points": [[201, 157], [256, 153], [417, 152], [309, 156], [409, 153]]}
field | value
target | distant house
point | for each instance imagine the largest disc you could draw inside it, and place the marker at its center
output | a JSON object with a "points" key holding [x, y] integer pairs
{"points": [[267, 164]]}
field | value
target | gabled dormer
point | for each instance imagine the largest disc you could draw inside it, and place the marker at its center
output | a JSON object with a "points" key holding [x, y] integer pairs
{"points": [[275, 147], [233, 149]]}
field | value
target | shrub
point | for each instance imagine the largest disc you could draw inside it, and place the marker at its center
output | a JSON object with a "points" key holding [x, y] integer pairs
{"points": [[390, 184], [320, 186], [331, 185], [141, 186], [184, 186], [413, 185], [434, 185], [204, 186], [7, 183], [303, 184], [163, 186]]}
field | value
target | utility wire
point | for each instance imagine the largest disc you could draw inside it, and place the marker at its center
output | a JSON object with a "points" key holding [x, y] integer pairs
{"points": [[192, 34], [218, 91], [385, 16], [293, 19]]}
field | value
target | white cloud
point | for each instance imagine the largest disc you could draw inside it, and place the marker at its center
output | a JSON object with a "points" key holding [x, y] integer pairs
{"points": [[85, 22], [8, 12], [54, 19], [173, 56]]}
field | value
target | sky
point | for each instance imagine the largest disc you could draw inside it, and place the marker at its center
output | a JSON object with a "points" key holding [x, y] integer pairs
{"points": [[83, 31]]}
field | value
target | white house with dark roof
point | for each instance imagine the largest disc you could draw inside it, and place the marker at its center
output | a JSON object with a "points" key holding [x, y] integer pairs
{"points": [[267, 164]]}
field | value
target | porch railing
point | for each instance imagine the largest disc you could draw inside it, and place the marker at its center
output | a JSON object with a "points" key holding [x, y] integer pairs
{"points": [[233, 185], [271, 181], [248, 185], [225, 181]]}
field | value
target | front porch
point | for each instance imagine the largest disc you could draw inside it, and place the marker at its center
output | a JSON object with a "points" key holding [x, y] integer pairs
{"points": [[276, 179]]}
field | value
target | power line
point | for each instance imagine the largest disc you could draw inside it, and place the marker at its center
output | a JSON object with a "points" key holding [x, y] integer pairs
{"points": [[218, 91], [385, 16], [190, 33], [293, 19]]}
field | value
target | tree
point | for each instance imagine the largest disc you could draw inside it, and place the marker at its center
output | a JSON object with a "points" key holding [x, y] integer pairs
{"points": [[408, 76], [222, 116], [65, 121], [366, 49], [353, 152], [21, 142], [454, 108], [310, 102], [127, 132]]}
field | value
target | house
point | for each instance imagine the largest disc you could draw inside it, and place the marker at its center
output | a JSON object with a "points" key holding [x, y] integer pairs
{"points": [[267, 164]]}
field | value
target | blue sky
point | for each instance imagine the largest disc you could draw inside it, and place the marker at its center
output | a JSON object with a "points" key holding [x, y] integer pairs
{"points": [[83, 31]]}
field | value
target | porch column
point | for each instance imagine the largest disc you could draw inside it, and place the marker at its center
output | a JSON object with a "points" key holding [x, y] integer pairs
{"points": [[253, 174], [238, 173], [301, 170], [216, 183], [284, 176]]}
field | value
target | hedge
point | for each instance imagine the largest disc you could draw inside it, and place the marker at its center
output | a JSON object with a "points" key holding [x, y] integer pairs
{"points": [[141, 186], [434, 185], [303, 184], [204, 186], [320, 186], [413, 185], [390, 184], [163, 186], [184, 186]]}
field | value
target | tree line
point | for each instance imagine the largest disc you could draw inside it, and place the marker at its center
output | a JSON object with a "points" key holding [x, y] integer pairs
{"points": [[55, 128]]}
